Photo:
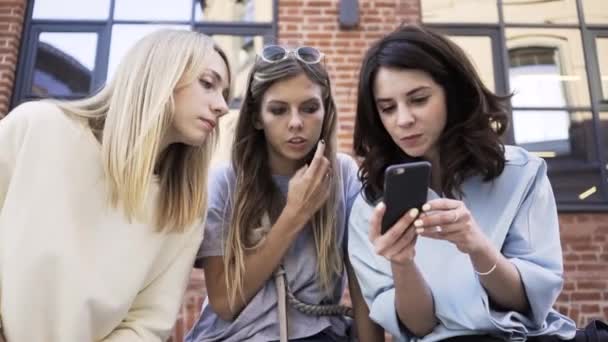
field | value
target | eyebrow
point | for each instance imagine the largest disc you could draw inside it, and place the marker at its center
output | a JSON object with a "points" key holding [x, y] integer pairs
{"points": [[411, 92]]}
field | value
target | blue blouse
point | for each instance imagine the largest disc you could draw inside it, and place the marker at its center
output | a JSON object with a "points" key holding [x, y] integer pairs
{"points": [[517, 212]]}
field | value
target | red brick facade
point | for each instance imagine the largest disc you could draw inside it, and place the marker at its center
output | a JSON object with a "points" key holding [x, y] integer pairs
{"points": [[315, 22], [12, 13]]}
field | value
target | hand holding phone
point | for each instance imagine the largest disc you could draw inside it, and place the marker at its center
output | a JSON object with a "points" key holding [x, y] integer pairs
{"points": [[405, 187]]}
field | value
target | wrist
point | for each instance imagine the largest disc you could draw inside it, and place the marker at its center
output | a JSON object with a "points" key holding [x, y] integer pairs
{"points": [[292, 218]]}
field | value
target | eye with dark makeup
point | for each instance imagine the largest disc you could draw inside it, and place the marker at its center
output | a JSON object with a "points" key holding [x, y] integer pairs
{"points": [[276, 109], [310, 107]]}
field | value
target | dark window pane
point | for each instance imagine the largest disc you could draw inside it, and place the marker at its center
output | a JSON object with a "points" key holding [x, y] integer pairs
{"points": [[576, 187], [540, 11], [556, 135], [64, 64], [547, 68], [153, 10], [602, 59], [71, 9], [459, 11], [604, 136], [235, 10]]}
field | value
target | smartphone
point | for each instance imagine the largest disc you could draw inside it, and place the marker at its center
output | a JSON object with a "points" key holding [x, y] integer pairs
{"points": [[405, 187]]}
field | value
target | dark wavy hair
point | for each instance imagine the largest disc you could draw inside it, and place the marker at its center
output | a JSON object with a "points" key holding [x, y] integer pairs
{"points": [[470, 143]]}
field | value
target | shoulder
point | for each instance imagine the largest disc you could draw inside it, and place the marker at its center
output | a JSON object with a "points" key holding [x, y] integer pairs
{"points": [[347, 164], [40, 116], [519, 161]]}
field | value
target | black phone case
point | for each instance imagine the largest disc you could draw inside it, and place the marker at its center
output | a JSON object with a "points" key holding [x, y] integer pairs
{"points": [[405, 187]]}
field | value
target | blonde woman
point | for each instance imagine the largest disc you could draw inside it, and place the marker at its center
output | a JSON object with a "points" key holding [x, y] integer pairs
{"points": [[274, 254], [102, 199]]}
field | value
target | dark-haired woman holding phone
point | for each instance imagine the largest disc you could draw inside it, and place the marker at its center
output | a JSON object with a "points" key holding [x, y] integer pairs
{"points": [[482, 260]]}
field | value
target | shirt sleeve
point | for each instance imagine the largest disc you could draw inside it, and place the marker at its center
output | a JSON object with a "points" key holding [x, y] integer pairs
{"points": [[221, 182], [533, 245], [154, 310], [374, 276]]}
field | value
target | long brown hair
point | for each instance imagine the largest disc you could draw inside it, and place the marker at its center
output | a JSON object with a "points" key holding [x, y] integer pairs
{"points": [[470, 143], [255, 192]]}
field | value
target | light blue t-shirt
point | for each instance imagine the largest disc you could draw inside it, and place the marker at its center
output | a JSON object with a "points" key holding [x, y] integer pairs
{"points": [[517, 212], [259, 321]]}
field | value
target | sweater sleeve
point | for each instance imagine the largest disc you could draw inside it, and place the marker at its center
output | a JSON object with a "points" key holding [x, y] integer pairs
{"points": [[13, 129], [154, 311]]}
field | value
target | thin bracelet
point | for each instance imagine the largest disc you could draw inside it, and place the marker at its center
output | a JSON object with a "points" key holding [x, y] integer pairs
{"points": [[488, 272]]}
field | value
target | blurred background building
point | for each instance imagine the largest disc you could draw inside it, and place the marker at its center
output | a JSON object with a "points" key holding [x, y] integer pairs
{"points": [[551, 54]]}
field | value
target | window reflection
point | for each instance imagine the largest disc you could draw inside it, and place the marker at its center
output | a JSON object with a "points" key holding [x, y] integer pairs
{"points": [[540, 11], [153, 10], [241, 53], [602, 59], [556, 134], [479, 50], [552, 58], [78, 9], [459, 11], [124, 36], [596, 11], [236, 10], [64, 64]]}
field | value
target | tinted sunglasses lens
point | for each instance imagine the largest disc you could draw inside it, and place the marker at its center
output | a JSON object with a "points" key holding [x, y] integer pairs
{"points": [[273, 53], [309, 54]]}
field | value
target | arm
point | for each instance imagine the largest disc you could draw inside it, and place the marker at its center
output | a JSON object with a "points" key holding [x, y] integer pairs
{"points": [[12, 133], [458, 226], [372, 256], [153, 312], [367, 330], [528, 273], [308, 190], [413, 298]]}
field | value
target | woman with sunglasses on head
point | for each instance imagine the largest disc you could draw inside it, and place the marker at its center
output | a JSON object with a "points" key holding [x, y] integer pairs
{"points": [[482, 262], [274, 251], [102, 199]]}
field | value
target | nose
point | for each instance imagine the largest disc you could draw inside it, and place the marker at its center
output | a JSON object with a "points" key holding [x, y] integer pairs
{"points": [[295, 121], [219, 107], [405, 117]]}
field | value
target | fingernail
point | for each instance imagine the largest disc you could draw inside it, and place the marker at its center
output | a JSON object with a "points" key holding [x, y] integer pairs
{"points": [[438, 228], [419, 230], [418, 223], [380, 205], [413, 213], [426, 207]]}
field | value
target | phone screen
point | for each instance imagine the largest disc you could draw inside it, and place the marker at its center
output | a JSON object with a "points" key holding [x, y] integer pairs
{"points": [[405, 187]]}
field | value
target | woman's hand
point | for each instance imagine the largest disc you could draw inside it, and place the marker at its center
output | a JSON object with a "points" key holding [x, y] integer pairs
{"points": [[450, 220], [397, 244], [309, 188]]}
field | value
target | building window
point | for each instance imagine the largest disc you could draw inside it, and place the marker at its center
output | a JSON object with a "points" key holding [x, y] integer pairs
{"points": [[552, 55], [70, 54]]}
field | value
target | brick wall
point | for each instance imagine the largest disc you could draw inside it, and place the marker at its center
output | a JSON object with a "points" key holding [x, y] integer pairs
{"points": [[585, 246], [11, 22]]}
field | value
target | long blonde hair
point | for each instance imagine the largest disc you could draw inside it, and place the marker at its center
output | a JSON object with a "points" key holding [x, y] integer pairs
{"points": [[131, 115], [256, 193]]}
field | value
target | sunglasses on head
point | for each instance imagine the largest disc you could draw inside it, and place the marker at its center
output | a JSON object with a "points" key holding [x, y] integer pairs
{"points": [[277, 53]]}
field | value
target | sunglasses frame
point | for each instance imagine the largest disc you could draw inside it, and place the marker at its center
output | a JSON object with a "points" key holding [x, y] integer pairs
{"points": [[288, 52]]}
